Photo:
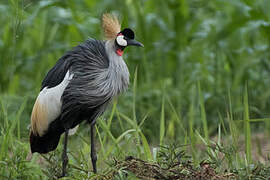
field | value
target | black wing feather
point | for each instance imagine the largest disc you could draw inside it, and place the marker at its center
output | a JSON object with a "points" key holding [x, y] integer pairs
{"points": [[56, 75], [78, 104], [82, 53], [81, 61]]}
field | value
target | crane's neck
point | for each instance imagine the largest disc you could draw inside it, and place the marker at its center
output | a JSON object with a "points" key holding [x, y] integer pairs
{"points": [[118, 73]]}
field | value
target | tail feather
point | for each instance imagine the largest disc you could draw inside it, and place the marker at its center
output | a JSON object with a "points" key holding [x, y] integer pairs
{"points": [[49, 140], [44, 144]]}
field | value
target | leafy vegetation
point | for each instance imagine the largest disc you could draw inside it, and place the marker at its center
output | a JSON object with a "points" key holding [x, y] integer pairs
{"points": [[200, 82]]}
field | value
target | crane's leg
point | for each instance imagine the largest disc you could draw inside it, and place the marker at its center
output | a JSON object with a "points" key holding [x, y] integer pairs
{"points": [[93, 150], [64, 155]]}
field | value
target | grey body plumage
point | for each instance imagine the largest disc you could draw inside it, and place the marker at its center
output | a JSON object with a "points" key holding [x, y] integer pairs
{"points": [[97, 79]]}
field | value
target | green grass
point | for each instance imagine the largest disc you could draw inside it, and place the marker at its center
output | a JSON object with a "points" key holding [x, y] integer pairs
{"points": [[223, 154], [247, 129], [200, 84]]}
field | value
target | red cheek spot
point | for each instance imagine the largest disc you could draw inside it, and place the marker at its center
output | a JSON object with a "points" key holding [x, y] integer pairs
{"points": [[119, 52]]}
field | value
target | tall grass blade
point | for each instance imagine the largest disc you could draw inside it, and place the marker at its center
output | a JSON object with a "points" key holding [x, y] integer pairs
{"points": [[191, 115], [109, 122], [146, 147], [233, 132], [111, 148], [18, 117], [101, 142], [176, 114], [134, 94], [162, 124], [203, 114], [247, 127]]}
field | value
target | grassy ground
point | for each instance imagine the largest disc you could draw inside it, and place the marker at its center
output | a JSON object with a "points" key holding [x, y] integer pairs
{"points": [[197, 107], [234, 153]]}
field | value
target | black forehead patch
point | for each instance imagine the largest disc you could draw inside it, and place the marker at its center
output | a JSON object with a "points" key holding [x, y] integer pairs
{"points": [[127, 32]]}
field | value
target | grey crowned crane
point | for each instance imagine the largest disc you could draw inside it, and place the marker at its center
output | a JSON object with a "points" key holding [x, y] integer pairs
{"points": [[79, 88]]}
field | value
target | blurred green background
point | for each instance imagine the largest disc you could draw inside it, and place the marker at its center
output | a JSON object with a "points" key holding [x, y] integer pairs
{"points": [[198, 58], [222, 44]]}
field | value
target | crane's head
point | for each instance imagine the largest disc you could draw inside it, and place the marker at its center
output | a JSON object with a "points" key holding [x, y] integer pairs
{"points": [[125, 38], [112, 31]]}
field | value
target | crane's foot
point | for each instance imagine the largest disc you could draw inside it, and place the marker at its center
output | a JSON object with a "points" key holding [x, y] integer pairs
{"points": [[93, 149], [94, 161], [64, 165]]}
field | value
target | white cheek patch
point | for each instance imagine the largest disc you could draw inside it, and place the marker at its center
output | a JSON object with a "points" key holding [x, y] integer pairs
{"points": [[121, 41]]}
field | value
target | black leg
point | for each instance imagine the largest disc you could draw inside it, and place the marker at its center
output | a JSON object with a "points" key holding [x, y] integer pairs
{"points": [[93, 150], [64, 155]]}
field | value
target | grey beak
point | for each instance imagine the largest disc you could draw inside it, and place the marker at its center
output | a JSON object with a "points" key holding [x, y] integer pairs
{"points": [[132, 42]]}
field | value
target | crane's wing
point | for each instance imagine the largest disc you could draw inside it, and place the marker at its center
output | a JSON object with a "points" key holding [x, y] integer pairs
{"points": [[85, 96], [48, 104], [56, 75], [69, 88]]}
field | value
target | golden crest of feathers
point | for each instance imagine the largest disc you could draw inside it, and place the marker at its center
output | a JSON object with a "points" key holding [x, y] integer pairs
{"points": [[110, 25]]}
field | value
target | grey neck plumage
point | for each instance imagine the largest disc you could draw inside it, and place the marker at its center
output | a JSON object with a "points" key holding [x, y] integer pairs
{"points": [[99, 75], [117, 73]]}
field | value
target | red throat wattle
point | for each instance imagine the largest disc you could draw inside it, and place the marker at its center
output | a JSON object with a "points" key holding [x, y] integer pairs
{"points": [[119, 52]]}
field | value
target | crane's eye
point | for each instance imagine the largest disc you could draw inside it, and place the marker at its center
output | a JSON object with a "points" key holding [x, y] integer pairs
{"points": [[121, 41]]}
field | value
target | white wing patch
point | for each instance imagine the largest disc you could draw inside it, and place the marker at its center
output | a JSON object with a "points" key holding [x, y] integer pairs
{"points": [[48, 106]]}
